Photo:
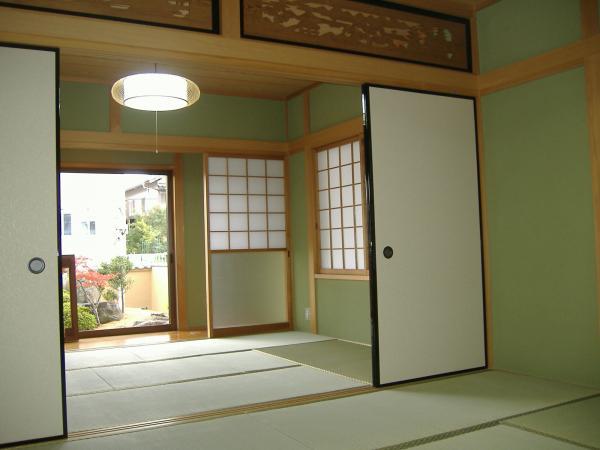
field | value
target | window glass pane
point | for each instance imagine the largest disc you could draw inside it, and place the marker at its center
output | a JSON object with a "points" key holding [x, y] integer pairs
{"points": [[347, 199], [238, 203], [324, 219], [275, 186], [360, 256], [257, 203], [256, 167], [217, 203], [357, 173], [236, 166], [334, 177], [336, 218], [257, 185], [277, 222], [218, 222], [346, 154], [276, 203], [258, 240], [325, 239], [334, 157], [348, 217], [219, 241], [358, 216], [348, 237], [238, 241], [323, 180], [237, 185], [276, 239], [350, 259], [334, 198], [258, 222], [238, 222], [217, 185], [322, 160], [346, 175], [338, 259], [336, 238], [325, 259], [357, 194], [356, 150], [274, 168], [217, 166], [360, 237], [323, 199]]}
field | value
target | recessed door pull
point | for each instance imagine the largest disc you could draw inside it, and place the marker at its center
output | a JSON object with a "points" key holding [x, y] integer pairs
{"points": [[388, 252], [36, 265]]}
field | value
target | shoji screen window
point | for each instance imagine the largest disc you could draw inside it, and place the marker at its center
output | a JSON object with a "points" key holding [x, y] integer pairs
{"points": [[340, 208], [246, 204]]}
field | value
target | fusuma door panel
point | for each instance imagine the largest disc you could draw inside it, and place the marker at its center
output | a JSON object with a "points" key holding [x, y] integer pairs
{"points": [[31, 375], [424, 204]]}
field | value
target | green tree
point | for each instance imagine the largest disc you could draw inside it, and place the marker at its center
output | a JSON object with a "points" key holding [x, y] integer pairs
{"points": [[149, 233], [118, 267]]}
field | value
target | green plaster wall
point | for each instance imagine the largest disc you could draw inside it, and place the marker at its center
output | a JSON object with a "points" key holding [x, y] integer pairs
{"points": [[193, 216], [514, 30], [299, 239], [84, 106], [193, 222], [215, 116], [542, 261], [343, 309], [295, 117], [331, 104]]}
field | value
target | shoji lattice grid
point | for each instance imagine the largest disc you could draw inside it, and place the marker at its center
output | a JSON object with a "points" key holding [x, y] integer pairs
{"points": [[340, 200], [246, 204]]}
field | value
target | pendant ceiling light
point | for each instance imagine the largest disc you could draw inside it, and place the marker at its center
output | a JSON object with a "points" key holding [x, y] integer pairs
{"points": [[155, 92]]}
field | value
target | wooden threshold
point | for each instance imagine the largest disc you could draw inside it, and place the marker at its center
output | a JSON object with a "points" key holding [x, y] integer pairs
{"points": [[135, 339], [220, 413], [251, 329]]}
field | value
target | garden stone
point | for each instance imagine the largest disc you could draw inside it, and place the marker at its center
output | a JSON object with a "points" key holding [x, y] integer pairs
{"points": [[109, 312]]}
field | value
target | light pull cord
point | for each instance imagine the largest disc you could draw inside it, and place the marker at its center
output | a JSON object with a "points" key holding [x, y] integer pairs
{"points": [[156, 132]]}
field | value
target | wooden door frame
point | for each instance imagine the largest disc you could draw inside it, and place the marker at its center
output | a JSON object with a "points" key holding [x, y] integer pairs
{"points": [[172, 257]]}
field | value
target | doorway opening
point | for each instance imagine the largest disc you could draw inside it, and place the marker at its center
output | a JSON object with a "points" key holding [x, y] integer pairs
{"points": [[117, 234]]}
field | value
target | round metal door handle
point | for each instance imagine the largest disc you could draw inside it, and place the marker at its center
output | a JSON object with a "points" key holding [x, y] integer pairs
{"points": [[388, 252], [36, 265]]}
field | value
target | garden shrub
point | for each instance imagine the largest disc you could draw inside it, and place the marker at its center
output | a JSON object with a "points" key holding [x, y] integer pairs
{"points": [[85, 318]]}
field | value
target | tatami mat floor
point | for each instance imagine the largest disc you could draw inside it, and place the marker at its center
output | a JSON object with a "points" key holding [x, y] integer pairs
{"points": [[488, 410]]}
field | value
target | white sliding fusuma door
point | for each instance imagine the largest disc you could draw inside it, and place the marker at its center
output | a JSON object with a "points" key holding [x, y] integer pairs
{"points": [[426, 266], [31, 375]]}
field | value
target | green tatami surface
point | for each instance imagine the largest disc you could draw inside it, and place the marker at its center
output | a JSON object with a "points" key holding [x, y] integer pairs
{"points": [[577, 422], [341, 357]]}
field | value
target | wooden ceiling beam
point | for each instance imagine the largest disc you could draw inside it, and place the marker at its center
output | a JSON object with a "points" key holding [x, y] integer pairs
{"points": [[84, 36]]}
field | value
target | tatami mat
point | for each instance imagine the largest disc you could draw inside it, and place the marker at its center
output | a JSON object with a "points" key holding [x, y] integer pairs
{"points": [[578, 422], [341, 357], [231, 433], [126, 355], [150, 403], [85, 381], [197, 367], [415, 411], [497, 438]]}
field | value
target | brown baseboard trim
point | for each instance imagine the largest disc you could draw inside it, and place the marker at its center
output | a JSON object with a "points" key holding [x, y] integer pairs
{"points": [[251, 329], [219, 413]]}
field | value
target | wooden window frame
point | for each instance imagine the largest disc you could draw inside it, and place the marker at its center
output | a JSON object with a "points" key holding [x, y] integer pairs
{"points": [[285, 196], [340, 273]]}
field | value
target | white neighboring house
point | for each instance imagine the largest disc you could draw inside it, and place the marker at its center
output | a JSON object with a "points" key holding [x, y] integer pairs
{"points": [[93, 216]]}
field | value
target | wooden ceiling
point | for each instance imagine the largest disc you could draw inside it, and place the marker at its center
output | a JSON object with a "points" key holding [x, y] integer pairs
{"points": [[210, 79]]}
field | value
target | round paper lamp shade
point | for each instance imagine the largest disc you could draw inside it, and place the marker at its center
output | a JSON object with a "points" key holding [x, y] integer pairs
{"points": [[155, 92]]}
